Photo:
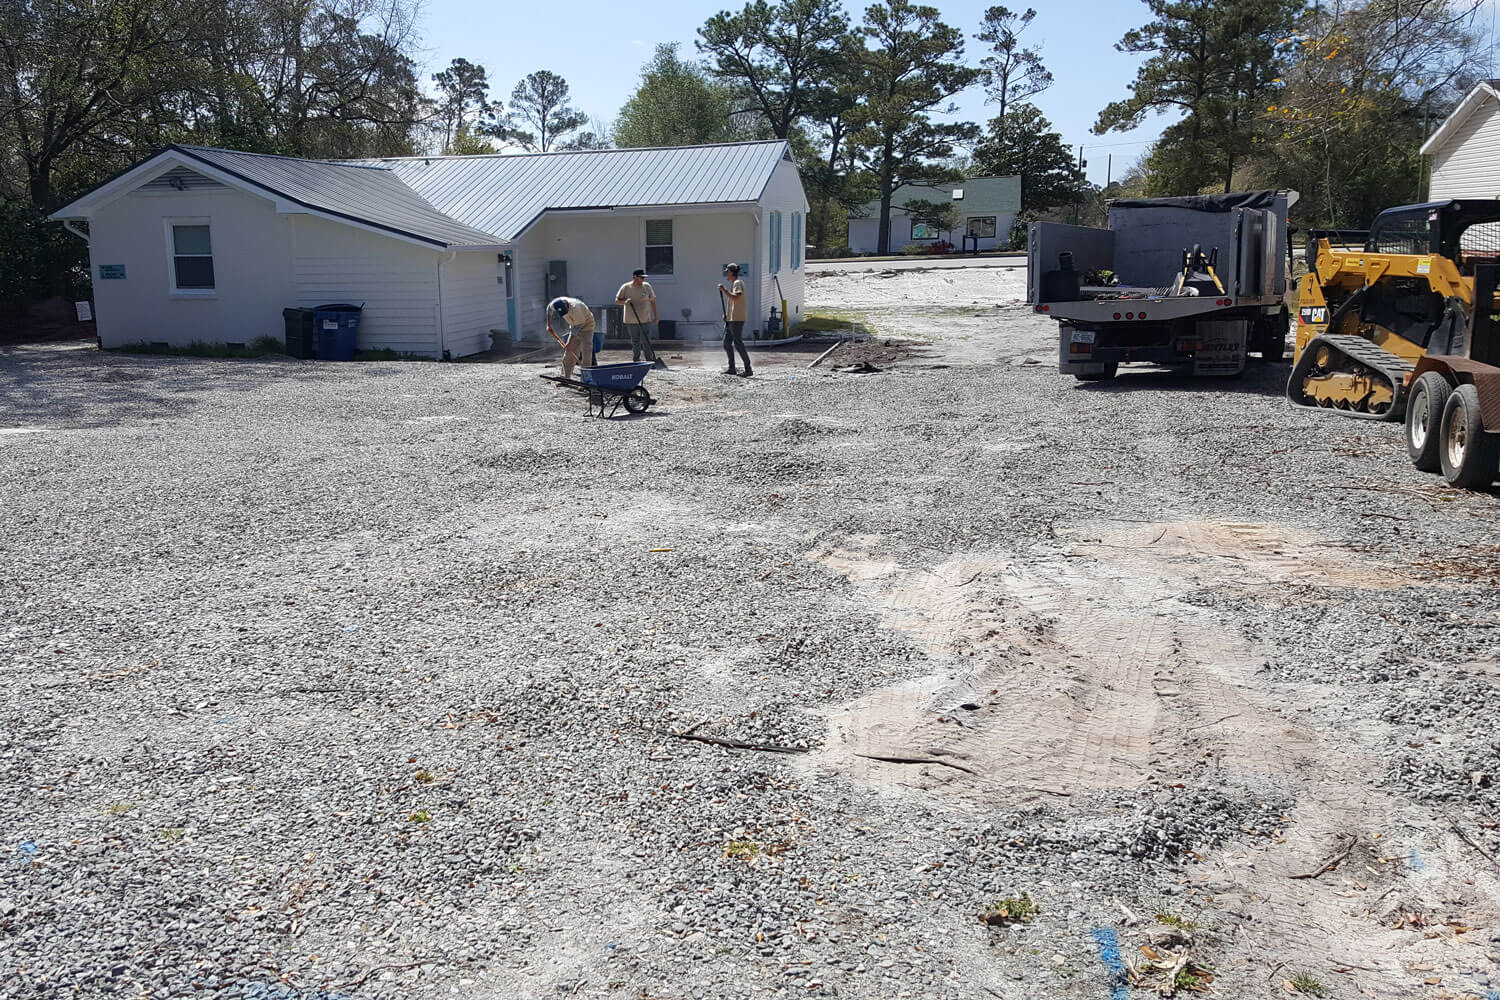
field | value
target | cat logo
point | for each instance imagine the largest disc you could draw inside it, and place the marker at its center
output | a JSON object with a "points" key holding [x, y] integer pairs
{"points": [[1313, 315]]}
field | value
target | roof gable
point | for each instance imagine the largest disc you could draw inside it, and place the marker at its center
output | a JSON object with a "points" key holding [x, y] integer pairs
{"points": [[465, 201], [1484, 94], [366, 196]]}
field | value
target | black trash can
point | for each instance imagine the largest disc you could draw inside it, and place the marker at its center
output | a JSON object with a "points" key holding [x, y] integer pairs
{"points": [[666, 329], [301, 333], [338, 331]]}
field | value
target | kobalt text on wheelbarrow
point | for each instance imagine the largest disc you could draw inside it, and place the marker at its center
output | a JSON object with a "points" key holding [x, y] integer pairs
{"points": [[611, 386]]}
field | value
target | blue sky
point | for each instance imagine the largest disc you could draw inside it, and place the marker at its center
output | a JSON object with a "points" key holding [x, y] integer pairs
{"points": [[599, 48]]}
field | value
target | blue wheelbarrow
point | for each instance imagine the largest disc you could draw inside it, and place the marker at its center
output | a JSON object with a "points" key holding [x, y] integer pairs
{"points": [[611, 387]]}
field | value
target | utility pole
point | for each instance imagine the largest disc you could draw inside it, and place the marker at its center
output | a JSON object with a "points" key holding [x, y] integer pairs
{"points": [[1109, 170], [1079, 199]]}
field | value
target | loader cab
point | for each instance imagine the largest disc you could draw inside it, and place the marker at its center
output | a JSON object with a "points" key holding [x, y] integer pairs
{"points": [[1465, 231]]}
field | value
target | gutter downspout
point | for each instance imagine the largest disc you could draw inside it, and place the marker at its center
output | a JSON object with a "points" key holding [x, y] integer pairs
{"points": [[68, 225], [442, 321]]}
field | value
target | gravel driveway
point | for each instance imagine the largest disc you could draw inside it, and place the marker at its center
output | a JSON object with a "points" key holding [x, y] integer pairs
{"points": [[405, 680]]}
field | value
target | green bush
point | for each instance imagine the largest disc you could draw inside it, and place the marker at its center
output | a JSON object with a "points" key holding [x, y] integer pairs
{"points": [[38, 259]]}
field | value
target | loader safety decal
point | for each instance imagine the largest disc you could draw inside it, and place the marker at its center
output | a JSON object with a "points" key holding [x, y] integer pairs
{"points": [[1313, 315]]}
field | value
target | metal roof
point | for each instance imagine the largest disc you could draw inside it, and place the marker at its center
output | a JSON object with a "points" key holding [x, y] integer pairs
{"points": [[370, 193], [504, 193], [981, 194]]}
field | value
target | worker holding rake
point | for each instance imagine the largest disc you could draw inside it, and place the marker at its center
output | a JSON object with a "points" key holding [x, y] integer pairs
{"points": [[734, 318], [580, 343], [639, 300]]}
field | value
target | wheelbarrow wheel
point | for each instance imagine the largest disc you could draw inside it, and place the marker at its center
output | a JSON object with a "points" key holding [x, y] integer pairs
{"points": [[637, 399]]}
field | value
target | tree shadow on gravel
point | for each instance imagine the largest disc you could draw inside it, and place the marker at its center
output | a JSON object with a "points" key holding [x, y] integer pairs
{"points": [[69, 386], [1259, 379]]}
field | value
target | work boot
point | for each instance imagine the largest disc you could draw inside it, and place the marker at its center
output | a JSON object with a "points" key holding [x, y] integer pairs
{"points": [[730, 371]]}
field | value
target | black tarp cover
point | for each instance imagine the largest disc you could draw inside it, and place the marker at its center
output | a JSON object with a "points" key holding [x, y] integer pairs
{"points": [[1205, 202]]}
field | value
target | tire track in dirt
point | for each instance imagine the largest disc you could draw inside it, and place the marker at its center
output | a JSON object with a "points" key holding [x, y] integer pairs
{"points": [[1087, 670]]}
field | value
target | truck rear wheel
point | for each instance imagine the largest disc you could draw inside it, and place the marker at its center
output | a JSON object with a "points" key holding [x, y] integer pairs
{"points": [[1109, 372], [1424, 420], [1469, 453]]}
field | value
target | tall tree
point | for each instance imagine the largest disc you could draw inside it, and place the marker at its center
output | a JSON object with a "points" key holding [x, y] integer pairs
{"points": [[772, 57], [910, 68], [676, 104], [78, 76], [1012, 71], [540, 101], [463, 106], [1023, 143], [1370, 77], [1214, 62]]}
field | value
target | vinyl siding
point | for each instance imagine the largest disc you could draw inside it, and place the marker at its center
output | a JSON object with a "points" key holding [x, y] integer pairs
{"points": [[396, 282], [251, 274], [783, 194], [1469, 164], [473, 302]]}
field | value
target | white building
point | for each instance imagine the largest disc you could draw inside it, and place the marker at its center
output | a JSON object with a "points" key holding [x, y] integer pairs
{"points": [[1465, 149], [987, 207], [202, 244]]}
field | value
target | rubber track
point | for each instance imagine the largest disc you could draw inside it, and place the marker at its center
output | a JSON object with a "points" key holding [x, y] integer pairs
{"points": [[1392, 367]]}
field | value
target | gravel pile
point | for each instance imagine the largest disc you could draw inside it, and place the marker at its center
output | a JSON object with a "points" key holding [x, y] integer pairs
{"points": [[334, 681]]}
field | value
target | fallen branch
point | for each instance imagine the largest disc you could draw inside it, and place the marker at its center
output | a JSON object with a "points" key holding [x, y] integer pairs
{"points": [[360, 979], [731, 744], [1226, 718], [1465, 837], [916, 760], [1332, 862]]}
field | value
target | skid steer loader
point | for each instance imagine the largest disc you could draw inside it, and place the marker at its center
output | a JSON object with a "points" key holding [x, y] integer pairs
{"points": [[1410, 326], [1365, 316]]}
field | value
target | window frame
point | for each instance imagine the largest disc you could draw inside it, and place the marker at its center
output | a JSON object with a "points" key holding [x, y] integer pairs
{"points": [[657, 275], [924, 239], [169, 225]]}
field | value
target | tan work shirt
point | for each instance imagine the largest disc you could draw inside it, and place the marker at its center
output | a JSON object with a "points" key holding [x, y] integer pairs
{"points": [[578, 314], [640, 296], [737, 306]]}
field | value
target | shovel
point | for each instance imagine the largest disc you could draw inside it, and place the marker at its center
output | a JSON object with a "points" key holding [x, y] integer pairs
{"points": [[656, 361], [566, 349]]}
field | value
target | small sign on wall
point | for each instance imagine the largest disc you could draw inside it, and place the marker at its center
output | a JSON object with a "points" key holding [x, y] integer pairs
{"points": [[85, 311], [108, 271]]}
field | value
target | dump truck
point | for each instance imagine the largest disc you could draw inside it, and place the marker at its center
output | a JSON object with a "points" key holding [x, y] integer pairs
{"points": [[1194, 283], [1406, 324]]}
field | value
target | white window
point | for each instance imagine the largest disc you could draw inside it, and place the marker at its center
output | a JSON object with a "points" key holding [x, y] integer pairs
{"points": [[191, 257], [658, 247], [982, 226]]}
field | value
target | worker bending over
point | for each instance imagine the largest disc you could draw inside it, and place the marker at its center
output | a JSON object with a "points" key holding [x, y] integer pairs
{"points": [[580, 320]]}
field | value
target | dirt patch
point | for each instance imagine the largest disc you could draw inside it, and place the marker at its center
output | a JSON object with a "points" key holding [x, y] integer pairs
{"points": [[1086, 683]]}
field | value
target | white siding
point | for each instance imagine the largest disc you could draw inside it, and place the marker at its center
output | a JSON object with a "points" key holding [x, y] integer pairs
{"points": [[1468, 166], [783, 194], [473, 302], [602, 249], [251, 276], [396, 282]]}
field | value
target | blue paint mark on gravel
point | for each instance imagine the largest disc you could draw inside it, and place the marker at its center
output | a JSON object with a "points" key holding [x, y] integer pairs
{"points": [[1415, 861], [1109, 954]]}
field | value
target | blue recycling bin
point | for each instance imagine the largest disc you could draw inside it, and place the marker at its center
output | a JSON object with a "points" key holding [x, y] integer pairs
{"points": [[338, 331]]}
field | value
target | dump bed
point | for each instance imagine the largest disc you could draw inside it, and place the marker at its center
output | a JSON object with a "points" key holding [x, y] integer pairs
{"points": [[1083, 273]]}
